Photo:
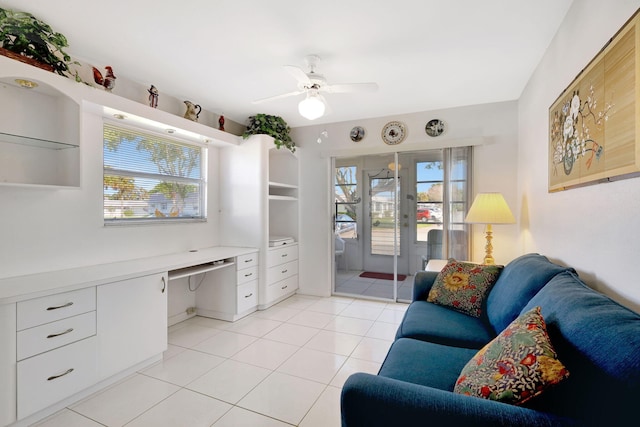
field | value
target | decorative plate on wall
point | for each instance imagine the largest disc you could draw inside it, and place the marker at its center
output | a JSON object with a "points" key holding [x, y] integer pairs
{"points": [[394, 133], [357, 133], [434, 127]]}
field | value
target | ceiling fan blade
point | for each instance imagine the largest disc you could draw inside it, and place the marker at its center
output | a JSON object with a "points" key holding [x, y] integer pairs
{"points": [[350, 87], [273, 98], [299, 74]]}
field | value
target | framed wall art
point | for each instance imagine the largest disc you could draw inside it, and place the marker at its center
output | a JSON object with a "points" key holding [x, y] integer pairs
{"points": [[594, 123]]}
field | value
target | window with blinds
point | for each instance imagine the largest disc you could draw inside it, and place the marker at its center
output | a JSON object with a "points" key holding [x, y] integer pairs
{"points": [[152, 178]]}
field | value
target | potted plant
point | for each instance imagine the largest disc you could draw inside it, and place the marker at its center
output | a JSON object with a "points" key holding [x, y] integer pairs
{"points": [[25, 36], [273, 126]]}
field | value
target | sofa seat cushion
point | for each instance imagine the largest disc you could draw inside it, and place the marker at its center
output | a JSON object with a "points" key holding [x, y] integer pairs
{"points": [[425, 363], [438, 324]]}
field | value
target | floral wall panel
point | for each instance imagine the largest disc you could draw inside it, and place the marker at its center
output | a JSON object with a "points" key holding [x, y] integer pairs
{"points": [[593, 124]]}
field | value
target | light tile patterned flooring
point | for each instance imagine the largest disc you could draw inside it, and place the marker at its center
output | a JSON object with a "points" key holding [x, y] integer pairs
{"points": [[350, 282], [278, 367]]}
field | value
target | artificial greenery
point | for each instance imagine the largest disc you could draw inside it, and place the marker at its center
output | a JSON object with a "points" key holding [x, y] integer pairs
{"points": [[273, 126], [24, 34]]}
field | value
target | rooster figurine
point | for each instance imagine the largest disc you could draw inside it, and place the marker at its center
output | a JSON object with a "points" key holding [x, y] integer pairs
{"points": [[108, 81]]}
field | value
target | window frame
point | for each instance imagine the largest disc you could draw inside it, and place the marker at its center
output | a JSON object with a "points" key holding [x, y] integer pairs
{"points": [[338, 224], [200, 181]]}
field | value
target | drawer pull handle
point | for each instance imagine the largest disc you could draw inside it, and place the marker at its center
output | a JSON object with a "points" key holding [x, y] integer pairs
{"points": [[284, 271], [248, 260], [53, 377], [250, 295], [61, 333], [284, 287], [69, 304], [248, 275], [284, 255]]}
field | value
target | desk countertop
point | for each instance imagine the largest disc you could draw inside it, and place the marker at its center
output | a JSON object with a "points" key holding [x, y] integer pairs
{"points": [[18, 288]]}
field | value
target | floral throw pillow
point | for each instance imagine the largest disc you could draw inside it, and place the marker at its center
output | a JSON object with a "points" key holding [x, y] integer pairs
{"points": [[464, 286], [516, 366]]}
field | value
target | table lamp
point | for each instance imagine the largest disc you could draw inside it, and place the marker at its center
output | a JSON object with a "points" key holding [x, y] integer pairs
{"points": [[489, 208]]}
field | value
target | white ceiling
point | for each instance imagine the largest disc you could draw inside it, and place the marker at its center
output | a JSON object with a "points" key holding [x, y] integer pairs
{"points": [[222, 54]]}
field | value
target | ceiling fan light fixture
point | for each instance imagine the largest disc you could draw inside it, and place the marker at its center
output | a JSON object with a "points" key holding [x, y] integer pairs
{"points": [[312, 107]]}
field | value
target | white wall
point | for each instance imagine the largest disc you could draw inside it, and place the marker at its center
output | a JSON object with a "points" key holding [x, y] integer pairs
{"points": [[492, 128], [594, 229]]}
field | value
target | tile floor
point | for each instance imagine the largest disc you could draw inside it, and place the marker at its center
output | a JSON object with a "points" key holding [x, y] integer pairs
{"points": [[279, 367], [350, 282]]}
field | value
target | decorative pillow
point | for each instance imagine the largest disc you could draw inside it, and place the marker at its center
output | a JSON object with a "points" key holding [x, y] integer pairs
{"points": [[464, 286], [516, 366]]}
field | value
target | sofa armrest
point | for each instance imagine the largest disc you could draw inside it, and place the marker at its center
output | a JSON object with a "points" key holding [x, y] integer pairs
{"points": [[422, 283], [371, 400]]}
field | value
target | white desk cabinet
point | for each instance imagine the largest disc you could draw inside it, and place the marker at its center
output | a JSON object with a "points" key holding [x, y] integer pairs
{"points": [[230, 293], [132, 322]]}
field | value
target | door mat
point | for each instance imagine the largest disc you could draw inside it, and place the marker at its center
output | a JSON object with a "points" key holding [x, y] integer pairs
{"points": [[383, 276]]}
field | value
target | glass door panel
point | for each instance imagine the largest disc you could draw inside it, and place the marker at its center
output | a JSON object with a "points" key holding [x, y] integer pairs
{"points": [[384, 231]]}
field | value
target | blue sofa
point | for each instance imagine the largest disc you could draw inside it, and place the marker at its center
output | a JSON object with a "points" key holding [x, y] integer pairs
{"points": [[597, 340]]}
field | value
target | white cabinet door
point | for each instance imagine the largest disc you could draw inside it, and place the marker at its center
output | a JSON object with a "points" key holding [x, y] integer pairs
{"points": [[132, 322]]}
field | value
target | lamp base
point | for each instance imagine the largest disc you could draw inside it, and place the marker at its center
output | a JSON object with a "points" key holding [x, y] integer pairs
{"points": [[488, 249]]}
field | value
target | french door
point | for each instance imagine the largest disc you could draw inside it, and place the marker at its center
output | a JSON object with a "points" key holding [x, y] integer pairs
{"points": [[393, 211]]}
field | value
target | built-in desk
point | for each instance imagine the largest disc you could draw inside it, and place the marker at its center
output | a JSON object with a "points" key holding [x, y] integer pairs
{"points": [[13, 289], [68, 333]]}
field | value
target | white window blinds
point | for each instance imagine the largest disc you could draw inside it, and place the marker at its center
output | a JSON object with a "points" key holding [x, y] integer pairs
{"points": [[152, 178]]}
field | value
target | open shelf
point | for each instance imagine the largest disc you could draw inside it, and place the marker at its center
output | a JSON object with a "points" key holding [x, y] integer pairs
{"points": [[282, 198], [35, 142], [273, 184], [198, 269]]}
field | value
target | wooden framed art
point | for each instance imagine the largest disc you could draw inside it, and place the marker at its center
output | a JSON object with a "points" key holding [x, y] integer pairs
{"points": [[594, 125]]}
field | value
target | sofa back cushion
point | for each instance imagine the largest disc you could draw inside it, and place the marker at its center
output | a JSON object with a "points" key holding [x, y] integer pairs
{"points": [[520, 280], [598, 341]]}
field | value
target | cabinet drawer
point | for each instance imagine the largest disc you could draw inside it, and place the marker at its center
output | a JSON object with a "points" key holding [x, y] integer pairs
{"points": [[248, 260], [53, 376], [281, 272], [246, 275], [39, 311], [55, 334], [282, 255], [282, 288], [247, 296]]}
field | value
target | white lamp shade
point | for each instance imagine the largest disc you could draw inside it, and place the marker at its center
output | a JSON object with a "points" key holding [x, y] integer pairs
{"points": [[490, 208], [311, 107]]}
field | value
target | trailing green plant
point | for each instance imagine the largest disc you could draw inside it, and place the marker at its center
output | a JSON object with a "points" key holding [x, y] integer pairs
{"points": [[274, 126], [24, 34]]}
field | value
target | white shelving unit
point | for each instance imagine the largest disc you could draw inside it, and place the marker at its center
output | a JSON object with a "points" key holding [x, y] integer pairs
{"points": [[39, 136], [266, 204]]}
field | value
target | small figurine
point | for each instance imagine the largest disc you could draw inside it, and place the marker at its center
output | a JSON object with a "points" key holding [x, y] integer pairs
{"points": [[108, 81], [153, 96], [221, 123], [191, 112]]}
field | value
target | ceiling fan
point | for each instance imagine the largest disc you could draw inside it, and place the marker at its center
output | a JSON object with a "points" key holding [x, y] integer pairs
{"points": [[313, 84]]}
